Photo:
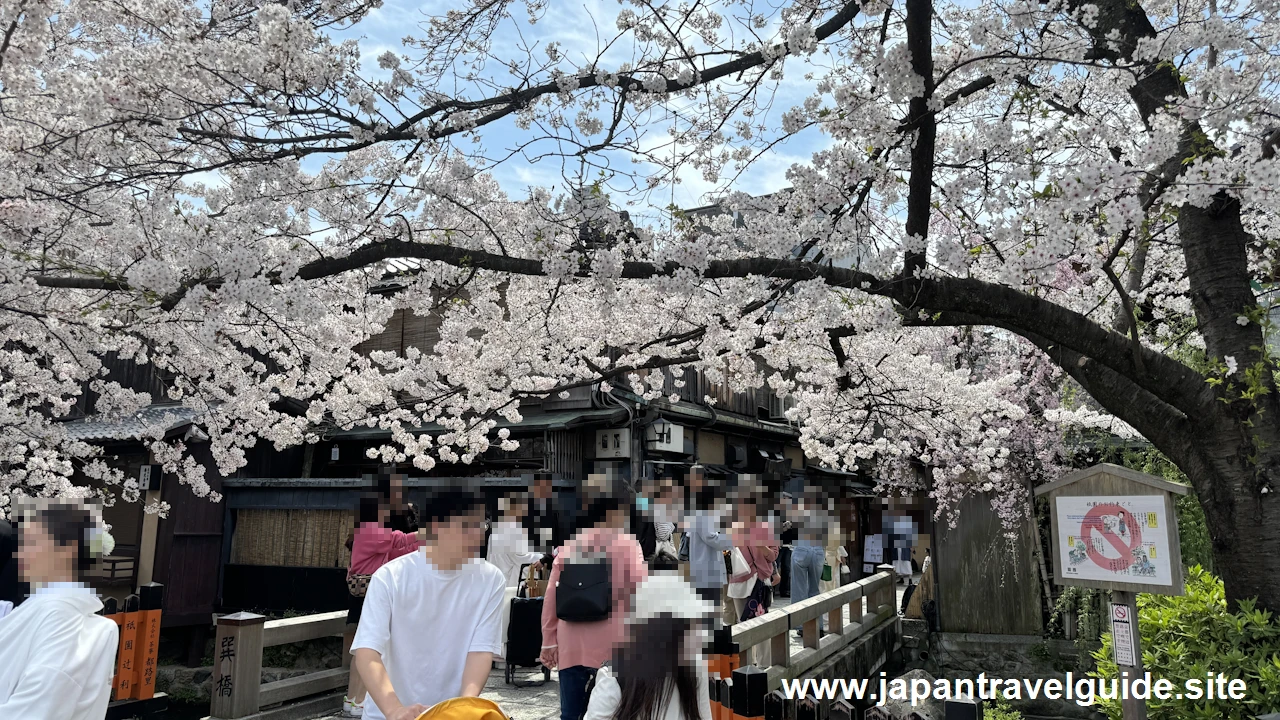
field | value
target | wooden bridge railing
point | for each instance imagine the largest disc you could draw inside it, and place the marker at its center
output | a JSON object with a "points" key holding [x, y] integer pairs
{"points": [[238, 690], [775, 627]]}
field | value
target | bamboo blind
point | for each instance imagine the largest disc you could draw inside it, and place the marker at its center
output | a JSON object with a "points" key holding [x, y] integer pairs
{"points": [[292, 538], [406, 329]]}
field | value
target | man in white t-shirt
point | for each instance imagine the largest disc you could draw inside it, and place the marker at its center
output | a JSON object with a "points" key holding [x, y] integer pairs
{"points": [[432, 620]]}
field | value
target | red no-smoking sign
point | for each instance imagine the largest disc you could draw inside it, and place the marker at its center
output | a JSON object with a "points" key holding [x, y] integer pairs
{"points": [[1093, 523]]}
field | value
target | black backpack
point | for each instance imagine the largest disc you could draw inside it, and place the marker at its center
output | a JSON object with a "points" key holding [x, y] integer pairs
{"points": [[585, 591]]}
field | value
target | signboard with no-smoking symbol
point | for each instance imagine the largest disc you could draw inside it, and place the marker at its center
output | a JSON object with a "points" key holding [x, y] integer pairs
{"points": [[1115, 539], [1115, 529]]}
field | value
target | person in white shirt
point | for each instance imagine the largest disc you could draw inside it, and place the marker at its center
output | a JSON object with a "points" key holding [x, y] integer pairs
{"points": [[658, 673], [57, 657], [509, 543], [509, 550], [431, 622]]}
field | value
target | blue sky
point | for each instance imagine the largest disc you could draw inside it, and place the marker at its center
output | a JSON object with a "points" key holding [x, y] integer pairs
{"points": [[574, 27]]}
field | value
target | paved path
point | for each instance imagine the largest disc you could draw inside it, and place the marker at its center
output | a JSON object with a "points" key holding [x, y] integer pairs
{"points": [[543, 702]]}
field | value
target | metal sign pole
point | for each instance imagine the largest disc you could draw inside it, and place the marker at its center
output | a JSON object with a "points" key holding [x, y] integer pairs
{"points": [[1116, 529], [1126, 647]]}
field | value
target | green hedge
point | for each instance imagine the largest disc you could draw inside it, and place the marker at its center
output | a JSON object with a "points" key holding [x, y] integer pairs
{"points": [[1189, 636]]}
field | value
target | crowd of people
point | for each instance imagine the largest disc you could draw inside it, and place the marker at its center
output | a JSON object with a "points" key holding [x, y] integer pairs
{"points": [[633, 580]]}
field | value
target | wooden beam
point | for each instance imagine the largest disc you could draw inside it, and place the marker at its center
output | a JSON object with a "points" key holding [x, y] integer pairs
{"points": [[302, 686], [306, 627], [809, 633]]}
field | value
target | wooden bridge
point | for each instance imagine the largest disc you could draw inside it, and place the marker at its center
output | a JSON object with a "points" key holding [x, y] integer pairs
{"points": [[862, 631]]}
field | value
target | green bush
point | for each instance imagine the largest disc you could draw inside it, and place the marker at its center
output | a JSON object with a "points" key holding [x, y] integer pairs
{"points": [[1001, 711], [1190, 636]]}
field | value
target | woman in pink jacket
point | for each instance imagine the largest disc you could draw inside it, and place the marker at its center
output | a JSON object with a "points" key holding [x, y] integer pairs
{"points": [[373, 545], [580, 648]]}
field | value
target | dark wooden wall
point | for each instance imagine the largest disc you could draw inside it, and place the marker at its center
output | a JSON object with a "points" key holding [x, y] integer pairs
{"points": [[404, 330], [138, 378], [984, 585], [189, 548]]}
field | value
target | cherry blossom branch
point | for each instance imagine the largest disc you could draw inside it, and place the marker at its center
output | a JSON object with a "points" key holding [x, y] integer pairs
{"points": [[1001, 305], [924, 150], [491, 109]]}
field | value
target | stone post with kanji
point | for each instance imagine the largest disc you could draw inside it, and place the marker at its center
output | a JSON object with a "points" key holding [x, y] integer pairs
{"points": [[237, 666]]}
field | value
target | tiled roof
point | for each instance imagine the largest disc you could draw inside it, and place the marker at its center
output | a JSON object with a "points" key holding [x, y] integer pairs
{"points": [[143, 424]]}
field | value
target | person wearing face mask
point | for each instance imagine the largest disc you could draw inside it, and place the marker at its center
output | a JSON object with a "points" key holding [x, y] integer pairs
{"points": [[643, 523], [708, 541], [509, 546], [58, 655]]}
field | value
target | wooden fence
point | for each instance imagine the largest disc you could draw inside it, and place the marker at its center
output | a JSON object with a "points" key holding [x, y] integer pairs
{"points": [[238, 690], [870, 601], [133, 686]]}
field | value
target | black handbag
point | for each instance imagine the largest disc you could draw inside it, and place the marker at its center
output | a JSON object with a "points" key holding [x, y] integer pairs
{"points": [[758, 602], [585, 591]]}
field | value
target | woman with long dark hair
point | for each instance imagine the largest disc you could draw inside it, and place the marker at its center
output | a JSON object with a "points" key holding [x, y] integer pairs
{"points": [[658, 672]]}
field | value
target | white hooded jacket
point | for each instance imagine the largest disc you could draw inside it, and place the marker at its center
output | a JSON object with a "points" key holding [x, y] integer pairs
{"points": [[58, 657]]}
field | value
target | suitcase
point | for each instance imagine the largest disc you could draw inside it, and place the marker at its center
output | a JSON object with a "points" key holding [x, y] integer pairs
{"points": [[524, 638]]}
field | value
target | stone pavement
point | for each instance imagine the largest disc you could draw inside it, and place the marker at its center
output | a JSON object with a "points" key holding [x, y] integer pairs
{"points": [[543, 702]]}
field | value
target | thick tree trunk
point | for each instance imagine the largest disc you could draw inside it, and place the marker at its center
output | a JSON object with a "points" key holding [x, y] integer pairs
{"points": [[1241, 437], [1245, 532], [1229, 447]]}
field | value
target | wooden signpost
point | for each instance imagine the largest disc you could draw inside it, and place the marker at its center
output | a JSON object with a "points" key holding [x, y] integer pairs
{"points": [[1117, 529]]}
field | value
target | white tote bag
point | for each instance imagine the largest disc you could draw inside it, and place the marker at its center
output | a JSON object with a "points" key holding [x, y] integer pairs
{"points": [[742, 588]]}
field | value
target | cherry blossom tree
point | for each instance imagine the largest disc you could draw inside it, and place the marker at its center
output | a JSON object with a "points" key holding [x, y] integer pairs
{"points": [[225, 190]]}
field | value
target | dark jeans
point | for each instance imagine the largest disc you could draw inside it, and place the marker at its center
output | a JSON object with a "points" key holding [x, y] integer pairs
{"points": [[712, 597], [573, 691]]}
